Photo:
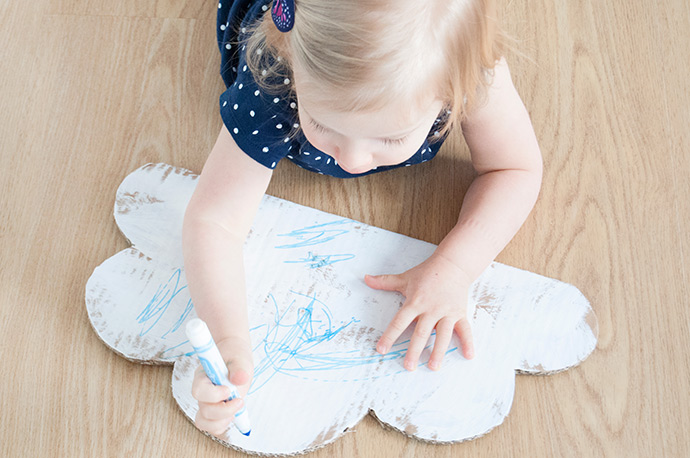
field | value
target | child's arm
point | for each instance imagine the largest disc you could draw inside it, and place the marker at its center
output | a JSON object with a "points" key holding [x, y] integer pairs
{"points": [[508, 161], [506, 156], [216, 223]]}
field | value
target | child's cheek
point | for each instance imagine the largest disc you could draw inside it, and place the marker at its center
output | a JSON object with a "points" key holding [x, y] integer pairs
{"points": [[318, 140]]}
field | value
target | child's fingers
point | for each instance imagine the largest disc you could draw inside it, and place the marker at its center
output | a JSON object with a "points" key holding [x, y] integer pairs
{"points": [[397, 326], [216, 417], [215, 427], [444, 333], [205, 391], [464, 331], [421, 335], [225, 410]]}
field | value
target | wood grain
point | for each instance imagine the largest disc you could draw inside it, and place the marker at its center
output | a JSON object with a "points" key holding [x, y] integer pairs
{"points": [[91, 90]]}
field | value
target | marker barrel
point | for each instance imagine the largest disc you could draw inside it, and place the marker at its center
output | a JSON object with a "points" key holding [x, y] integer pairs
{"points": [[214, 366]]}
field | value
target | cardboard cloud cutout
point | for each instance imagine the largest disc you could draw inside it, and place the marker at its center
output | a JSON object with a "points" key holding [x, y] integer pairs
{"points": [[314, 323]]}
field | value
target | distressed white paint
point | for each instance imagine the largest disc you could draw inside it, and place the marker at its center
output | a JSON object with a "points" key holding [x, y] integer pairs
{"points": [[326, 375]]}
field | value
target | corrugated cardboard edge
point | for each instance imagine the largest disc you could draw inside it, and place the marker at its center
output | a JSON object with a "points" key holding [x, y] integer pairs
{"points": [[431, 441], [145, 362], [255, 453]]}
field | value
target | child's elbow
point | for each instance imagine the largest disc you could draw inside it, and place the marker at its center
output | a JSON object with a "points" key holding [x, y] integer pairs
{"points": [[194, 219]]}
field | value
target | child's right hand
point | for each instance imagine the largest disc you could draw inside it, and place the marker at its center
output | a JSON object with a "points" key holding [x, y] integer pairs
{"points": [[216, 414]]}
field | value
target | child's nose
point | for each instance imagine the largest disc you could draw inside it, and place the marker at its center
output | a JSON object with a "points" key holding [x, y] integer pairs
{"points": [[353, 157]]}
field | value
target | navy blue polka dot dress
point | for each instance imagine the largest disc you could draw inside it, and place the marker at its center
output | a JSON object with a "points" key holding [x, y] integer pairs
{"points": [[261, 123]]}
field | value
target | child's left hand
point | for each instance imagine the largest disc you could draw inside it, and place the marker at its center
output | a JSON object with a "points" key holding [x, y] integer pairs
{"points": [[436, 297]]}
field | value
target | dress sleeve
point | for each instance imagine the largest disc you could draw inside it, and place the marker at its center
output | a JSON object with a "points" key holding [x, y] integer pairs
{"points": [[259, 121]]}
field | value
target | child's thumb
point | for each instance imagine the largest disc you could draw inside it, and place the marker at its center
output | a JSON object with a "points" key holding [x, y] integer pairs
{"points": [[240, 375]]}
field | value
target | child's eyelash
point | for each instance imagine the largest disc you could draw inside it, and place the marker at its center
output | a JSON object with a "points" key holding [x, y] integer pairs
{"points": [[394, 141], [386, 141], [318, 126]]}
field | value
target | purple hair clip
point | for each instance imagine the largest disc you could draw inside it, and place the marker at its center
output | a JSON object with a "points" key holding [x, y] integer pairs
{"points": [[283, 13]]}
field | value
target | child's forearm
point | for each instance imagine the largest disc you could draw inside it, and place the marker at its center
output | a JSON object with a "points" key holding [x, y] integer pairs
{"points": [[495, 207], [214, 267]]}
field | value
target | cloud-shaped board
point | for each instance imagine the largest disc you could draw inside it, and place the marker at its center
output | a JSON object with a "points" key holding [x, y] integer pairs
{"points": [[314, 323]]}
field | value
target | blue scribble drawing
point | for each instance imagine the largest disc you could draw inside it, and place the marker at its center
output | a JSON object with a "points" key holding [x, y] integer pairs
{"points": [[315, 261], [290, 344], [294, 345], [314, 235], [159, 304]]}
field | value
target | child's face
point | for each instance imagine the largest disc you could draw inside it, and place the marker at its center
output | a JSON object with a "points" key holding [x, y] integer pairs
{"points": [[361, 141]]}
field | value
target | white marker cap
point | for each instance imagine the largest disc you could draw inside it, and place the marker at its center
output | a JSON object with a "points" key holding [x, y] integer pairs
{"points": [[198, 333]]}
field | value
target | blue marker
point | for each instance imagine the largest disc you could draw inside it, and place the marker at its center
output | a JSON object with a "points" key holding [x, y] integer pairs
{"points": [[214, 366]]}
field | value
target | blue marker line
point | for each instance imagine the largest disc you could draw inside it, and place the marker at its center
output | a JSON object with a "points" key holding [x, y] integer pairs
{"points": [[314, 235], [215, 368], [315, 261]]}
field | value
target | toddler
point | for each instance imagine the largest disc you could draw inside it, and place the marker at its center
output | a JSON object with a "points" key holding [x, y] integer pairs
{"points": [[349, 88]]}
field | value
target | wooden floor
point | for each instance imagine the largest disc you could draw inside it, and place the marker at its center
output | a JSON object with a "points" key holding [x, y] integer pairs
{"points": [[90, 90]]}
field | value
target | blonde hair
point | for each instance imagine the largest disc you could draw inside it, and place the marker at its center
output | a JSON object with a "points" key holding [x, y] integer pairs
{"points": [[366, 54]]}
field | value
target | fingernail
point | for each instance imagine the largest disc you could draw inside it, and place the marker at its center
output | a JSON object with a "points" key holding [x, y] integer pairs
{"points": [[433, 365], [381, 348], [409, 366]]}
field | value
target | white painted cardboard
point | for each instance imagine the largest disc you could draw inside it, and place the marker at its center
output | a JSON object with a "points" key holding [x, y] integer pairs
{"points": [[314, 323]]}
